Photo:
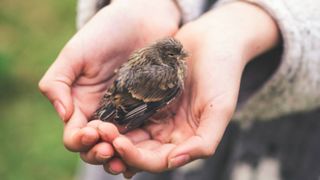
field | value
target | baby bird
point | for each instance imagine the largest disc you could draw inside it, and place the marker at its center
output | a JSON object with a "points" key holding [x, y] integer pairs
{"points": [[150, 80]]}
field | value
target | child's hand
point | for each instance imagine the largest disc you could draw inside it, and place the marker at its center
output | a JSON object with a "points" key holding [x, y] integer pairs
{"points": [[220, 43], [84, 69]]}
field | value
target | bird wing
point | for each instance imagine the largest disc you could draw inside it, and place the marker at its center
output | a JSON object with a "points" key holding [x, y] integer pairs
{"points": [[138, 115], [152, 83], [144, 92]]}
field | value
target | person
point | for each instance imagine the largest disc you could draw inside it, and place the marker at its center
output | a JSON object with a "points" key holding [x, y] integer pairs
{"points": [[254, 61]]}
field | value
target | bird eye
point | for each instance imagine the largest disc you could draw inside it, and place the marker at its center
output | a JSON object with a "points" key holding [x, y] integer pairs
{"points": [[170, 54]]}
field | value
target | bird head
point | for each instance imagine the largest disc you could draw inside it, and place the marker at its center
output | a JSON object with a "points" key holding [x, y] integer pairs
{"points": [[170, 50]]}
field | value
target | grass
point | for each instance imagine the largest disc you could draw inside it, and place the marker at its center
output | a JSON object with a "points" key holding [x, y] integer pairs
{"points": [[31, 36]]}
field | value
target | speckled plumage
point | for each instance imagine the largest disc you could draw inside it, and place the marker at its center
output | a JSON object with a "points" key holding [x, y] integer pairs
{"points": [[151, 78]]}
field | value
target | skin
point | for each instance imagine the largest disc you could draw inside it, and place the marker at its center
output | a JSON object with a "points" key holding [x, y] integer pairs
{"points": [[74, 84], [202, 112]]}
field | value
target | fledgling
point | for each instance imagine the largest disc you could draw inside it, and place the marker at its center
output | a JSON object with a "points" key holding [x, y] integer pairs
{"points": [[152, 77]]}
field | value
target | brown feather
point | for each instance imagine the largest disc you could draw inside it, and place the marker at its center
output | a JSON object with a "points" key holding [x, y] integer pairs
{"points": [[150, 79]]}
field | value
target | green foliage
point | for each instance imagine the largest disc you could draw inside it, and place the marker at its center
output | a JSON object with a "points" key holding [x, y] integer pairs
{"points": [[31, 35]]}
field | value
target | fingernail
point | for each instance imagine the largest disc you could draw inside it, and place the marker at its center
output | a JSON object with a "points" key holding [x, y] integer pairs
{"points": [[118, 148], [85, 140], [103, 154], [103, 158], [111, 171], [103, 132], [60, 109], [178, 161]]}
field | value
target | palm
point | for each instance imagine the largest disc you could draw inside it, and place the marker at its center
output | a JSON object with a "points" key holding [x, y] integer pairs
{"points": [[203, 110], [91, 85], [100, 54], [84, 69]]}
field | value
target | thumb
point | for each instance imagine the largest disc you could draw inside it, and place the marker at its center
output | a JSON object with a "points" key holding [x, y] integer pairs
{"points": [[208, 135], [56, 86]]}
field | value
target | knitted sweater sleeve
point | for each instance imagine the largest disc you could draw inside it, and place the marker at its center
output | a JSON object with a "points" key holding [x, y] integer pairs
{"points": [[295, 85]]}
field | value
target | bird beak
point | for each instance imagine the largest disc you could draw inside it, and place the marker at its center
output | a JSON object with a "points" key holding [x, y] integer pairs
{"points": [[184, 54]]}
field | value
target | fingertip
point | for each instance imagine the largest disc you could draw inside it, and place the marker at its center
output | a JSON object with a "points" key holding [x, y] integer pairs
{"points": [[195, 147], [77, 140], [122, 144], [104, 151], [58, 91], [115, 166], [178, 161], [108, 131], [94, 123], [89, 136], [71, 140], [98, 154], [129, 174]]}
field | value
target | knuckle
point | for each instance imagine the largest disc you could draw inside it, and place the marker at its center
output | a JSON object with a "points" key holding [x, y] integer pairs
{"points": [[43, 86], [69, 145]]}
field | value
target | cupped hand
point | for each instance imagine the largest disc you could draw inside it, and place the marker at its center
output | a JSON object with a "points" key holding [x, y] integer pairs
{"points": [[200, 117], [220, 46], [85, 67]]}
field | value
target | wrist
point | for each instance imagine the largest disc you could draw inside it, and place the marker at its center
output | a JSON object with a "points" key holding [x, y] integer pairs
{"points": [[239, 28], [262, 32]]}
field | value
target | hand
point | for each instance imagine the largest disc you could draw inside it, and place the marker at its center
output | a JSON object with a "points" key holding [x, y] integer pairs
{"points": [[84, 69], [220, 46]]}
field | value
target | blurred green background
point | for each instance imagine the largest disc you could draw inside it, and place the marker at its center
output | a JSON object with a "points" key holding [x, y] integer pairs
{"points": [[31, 35]]}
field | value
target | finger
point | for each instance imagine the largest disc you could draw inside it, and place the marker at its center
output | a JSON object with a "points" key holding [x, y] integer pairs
{"points": [[130, 172], [108, 131], [94, 123], [99, 154], [115, 166], [77, 136], [142, 158], [56, 85], [204, 143]]}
